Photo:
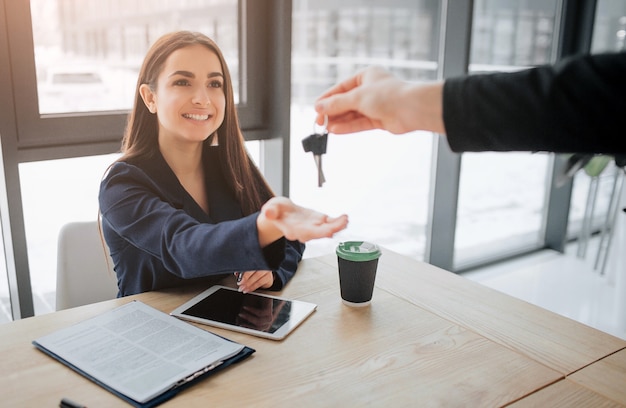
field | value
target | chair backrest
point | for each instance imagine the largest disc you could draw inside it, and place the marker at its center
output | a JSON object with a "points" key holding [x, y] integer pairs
{"points": [[84, 269]]}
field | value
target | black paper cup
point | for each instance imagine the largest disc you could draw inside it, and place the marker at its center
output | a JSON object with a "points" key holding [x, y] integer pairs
{"points": [[357, 261]]}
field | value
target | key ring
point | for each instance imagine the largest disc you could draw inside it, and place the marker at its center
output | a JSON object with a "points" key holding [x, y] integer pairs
{"points": [[324, 126]]}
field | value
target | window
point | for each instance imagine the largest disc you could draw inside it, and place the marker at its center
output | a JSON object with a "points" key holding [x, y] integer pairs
{"points": [[382, 181], [609, 30], [593, 194], [5, 304], [70, 187], [105, 41], [87, 55], [501, 195], [69, 69], [88, 52]]}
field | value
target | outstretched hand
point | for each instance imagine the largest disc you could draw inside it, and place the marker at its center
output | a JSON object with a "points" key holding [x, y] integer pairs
{"points": [[376, 99], [359, 103], [298, 223]]}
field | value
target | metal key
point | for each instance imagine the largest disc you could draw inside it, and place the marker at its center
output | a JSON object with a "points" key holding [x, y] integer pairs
{"points": [[316, 143]]}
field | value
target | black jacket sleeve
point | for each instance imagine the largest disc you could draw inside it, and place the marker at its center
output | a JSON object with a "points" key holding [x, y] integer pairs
{"points": [[576, 106]]}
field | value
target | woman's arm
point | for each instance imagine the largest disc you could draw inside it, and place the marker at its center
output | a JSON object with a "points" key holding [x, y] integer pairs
{"points": [[280, 217], [133, 208]]}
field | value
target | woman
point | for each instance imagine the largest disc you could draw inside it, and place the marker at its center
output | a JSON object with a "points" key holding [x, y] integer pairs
{"points": [[185, 204]]}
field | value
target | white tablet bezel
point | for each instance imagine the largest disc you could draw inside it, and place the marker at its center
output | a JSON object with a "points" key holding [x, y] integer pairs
{"points": [[300, 310]]}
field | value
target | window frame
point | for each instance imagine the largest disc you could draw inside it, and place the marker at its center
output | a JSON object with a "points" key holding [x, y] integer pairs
{"points": [[575, 26], [27, 136], [53, 136], [265, 46]]}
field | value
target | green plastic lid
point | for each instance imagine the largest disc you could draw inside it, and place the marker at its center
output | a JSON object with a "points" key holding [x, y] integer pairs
{"points": [[358, 251]]}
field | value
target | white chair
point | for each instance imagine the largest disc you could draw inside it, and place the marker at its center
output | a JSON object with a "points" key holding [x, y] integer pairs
{"points": [[84, 269]]}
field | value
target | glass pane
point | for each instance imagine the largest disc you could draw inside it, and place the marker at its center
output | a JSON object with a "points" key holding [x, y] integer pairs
{"points": [[70, 188], [591, 199], [380, 180], [509, 35], [609, 35], [609, 30], [6, 314], [254, 150], [501, 201], [501, 195], [88, 52]]}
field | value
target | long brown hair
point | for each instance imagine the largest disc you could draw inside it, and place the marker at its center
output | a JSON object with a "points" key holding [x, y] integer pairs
{"points": [[141, 135]]}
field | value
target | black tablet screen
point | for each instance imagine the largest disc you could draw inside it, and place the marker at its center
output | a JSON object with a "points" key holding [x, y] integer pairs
{"points": [[245, 310]]}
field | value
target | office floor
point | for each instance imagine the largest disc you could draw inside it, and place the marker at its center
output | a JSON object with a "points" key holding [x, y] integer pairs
{"points": [[562, 283], [565, 284]]}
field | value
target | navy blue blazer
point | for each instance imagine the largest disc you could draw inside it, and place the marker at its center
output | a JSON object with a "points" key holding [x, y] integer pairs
{"points": [[159, 236]]}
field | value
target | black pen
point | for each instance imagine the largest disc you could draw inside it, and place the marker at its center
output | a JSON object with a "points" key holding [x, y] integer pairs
{"points": [[239, 276], [68, 403]]}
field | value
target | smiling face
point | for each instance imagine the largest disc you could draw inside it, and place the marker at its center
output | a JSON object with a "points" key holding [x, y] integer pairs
{"points": [[189, 97]]}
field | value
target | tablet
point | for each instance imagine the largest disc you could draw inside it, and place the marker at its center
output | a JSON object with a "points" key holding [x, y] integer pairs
{"points": [[252, 313]]}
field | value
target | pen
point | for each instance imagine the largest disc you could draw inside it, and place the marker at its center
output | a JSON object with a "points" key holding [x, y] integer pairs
{"points": [[68, 403], [239, 276]]}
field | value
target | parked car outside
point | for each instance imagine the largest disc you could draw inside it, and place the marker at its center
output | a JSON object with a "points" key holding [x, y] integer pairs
{"points": [[74, 89]]}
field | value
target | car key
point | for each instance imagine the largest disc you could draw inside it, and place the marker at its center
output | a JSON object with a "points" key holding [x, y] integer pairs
{"points": [[316, 143]]}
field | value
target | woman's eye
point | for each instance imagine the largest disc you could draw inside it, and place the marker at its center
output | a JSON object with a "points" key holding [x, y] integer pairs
{"points": [[215, 84], [181, 82]]}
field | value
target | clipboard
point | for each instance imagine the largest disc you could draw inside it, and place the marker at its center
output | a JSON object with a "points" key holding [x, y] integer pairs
{"points": [[64, 346]]}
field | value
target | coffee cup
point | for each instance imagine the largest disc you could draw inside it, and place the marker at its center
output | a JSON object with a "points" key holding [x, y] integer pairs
{"points": [[357, 262]]}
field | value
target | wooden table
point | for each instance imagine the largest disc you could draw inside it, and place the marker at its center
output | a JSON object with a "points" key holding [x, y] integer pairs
{"points": [[429, 338]]}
